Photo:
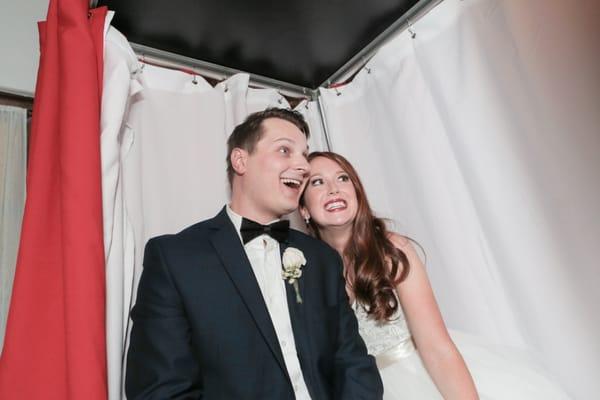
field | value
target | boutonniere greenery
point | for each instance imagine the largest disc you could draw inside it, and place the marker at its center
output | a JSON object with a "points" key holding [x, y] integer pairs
{"points": [[293, 260]]}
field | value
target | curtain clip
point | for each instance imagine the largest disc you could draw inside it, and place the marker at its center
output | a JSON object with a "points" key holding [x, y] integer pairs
{"points": [[142, 64], [365, 62], [334, 86], [413, 34]]}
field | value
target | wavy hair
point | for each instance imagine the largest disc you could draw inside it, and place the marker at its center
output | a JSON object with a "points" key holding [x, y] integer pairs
{"points": [[378, 266]]}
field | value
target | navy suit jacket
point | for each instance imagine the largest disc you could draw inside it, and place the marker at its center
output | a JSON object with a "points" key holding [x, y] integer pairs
{"points": [[201, 329]]}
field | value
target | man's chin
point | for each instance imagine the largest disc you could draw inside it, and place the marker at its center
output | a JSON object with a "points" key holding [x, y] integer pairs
{"points": [[289, 208]]}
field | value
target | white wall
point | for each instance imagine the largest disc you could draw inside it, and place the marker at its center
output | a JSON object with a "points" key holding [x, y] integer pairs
{"points": [[19, 46]]}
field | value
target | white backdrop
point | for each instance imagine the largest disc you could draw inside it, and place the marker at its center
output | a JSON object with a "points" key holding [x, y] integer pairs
{"points": [[480, 138]]}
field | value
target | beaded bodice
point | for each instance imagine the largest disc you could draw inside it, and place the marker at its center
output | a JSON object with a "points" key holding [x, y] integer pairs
{"points": [[382, 336]]}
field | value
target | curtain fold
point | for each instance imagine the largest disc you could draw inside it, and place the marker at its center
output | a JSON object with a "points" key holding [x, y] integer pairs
{"points": [[120, 86], [479, 137], [13, 160], [55, 346]]}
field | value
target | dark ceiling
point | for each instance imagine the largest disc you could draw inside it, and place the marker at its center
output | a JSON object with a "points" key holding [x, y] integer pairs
{"points": [[298, 42]]}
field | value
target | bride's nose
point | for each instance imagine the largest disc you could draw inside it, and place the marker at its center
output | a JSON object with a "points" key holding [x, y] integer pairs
{"points": [[333, 188]]}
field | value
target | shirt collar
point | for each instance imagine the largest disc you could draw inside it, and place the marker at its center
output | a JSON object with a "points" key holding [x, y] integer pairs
{"points": [[236, 219]]}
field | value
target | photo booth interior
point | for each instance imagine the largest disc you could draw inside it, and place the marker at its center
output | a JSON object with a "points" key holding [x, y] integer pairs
{"points": [[472, 123]]}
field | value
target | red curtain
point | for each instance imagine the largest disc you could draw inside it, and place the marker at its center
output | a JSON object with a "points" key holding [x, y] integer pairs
{"points": [[55, 346]]}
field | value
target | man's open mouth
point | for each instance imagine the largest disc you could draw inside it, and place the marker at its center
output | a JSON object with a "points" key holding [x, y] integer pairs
{"points": [[292, 183]]}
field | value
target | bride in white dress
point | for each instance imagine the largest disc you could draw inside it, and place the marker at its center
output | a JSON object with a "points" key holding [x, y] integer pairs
{"points": [[395, 306]]}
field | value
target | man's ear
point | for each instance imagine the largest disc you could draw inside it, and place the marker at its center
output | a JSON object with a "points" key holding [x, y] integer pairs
{"points": [[239, 160]]}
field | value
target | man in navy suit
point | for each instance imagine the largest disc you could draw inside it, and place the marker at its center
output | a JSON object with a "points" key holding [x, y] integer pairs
{"points": [[215, 318]]}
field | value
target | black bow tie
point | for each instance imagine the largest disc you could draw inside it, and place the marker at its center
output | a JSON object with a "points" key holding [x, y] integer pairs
{"points": [[277, 230]]}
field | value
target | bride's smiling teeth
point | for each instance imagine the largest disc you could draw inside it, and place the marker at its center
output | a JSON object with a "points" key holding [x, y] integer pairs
{"points": [[335, 205], [290, 182]]}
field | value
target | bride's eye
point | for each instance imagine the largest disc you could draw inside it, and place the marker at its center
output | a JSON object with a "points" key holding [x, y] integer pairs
{"points": [[316, 182], [344, 178]]}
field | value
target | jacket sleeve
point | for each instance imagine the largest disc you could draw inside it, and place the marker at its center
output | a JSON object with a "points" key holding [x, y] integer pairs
{"points": [[356, 374], [160, 361]]}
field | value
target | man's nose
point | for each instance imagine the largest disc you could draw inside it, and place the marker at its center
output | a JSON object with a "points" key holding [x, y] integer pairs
{"points": [[302, 165]]}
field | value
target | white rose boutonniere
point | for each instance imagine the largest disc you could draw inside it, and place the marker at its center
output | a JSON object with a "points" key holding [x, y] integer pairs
{"points": [[293, 260]]}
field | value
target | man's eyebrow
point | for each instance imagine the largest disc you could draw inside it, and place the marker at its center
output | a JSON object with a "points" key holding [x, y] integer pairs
{"points": [[284, 139]]}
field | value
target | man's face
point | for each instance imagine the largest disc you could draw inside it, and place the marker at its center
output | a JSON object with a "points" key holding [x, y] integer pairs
{"points": [[275, 173]]}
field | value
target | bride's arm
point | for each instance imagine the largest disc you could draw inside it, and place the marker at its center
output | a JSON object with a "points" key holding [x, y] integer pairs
{"points": [[439, 354]]}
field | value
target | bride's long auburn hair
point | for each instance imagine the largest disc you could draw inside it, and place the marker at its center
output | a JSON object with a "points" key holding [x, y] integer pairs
{"points": [[377, 265]]}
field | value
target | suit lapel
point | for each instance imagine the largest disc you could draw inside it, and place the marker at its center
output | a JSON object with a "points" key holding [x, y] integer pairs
{"points": [[236, 264], [297, 313]]}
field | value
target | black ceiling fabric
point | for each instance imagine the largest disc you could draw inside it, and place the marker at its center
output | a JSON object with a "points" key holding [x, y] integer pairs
{"points": [[298, 42]]}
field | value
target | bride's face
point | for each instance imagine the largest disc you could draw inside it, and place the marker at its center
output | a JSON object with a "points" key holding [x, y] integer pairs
{"points": [[330, 197]]}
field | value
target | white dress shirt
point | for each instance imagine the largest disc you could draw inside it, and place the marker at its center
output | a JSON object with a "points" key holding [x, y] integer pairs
{"points": [[265, 259]]}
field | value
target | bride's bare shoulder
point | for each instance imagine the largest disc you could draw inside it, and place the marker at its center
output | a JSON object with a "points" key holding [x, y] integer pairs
{"points": [[407, 246], [400, 241]]}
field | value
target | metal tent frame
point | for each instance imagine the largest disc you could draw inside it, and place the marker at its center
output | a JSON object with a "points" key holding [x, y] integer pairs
{"points": [[343, 75]]}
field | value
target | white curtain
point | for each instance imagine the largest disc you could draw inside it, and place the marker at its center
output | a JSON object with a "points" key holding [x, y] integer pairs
{"points": [[164, 139], [479, 137], [13, 160]]}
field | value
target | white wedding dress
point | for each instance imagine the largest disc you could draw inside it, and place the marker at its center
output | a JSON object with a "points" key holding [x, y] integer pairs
{"points": [[497, 374]]}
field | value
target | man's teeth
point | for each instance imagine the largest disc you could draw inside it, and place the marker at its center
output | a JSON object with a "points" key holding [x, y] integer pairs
{"points": [[291, 182], [335, 205]]}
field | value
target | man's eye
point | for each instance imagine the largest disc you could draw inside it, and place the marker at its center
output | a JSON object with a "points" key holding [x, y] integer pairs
{"points": [[284, 150]]}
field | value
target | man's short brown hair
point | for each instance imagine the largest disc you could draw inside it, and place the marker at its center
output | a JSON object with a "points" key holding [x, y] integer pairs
{"points": [[248, 133]]}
